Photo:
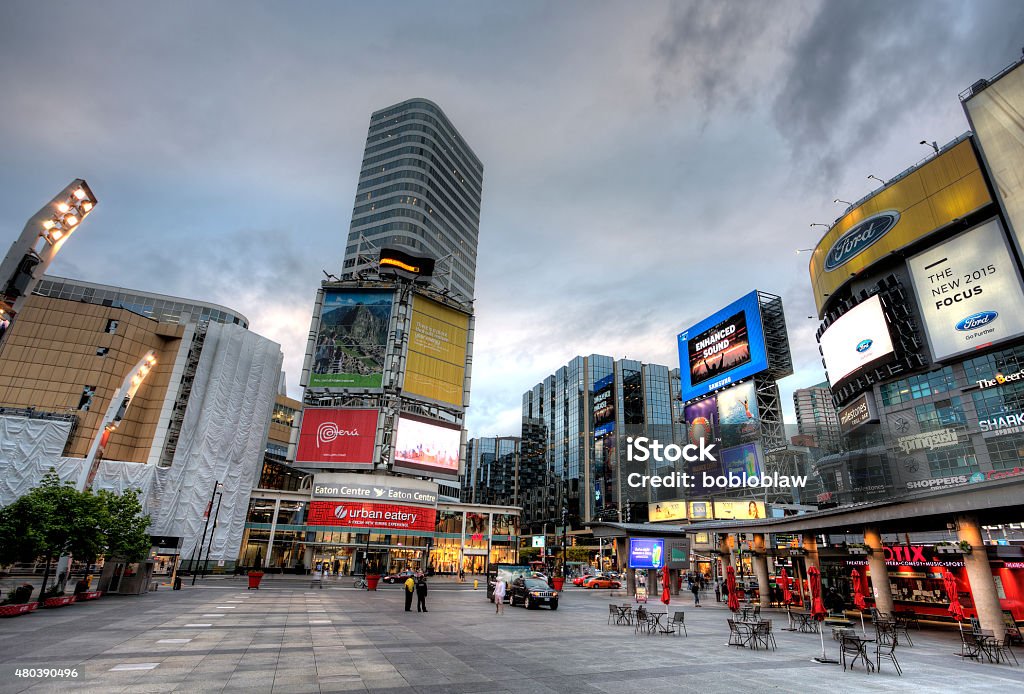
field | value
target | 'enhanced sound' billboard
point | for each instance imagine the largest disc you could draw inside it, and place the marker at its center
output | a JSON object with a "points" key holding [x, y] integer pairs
{"points": [[723, 348]]}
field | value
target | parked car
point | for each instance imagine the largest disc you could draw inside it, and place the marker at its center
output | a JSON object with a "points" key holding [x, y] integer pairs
{"points": [[531, 593], [601, 582], [399, 577]]}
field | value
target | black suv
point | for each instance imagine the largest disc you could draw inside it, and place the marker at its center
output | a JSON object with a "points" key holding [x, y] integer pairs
{"points": [[532, 593]]}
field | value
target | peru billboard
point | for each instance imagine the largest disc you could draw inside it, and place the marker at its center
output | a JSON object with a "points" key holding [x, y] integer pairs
{"points": [[337, 437]]}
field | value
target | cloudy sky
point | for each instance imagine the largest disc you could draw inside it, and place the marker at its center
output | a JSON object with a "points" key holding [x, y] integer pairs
{"points": [[645, 163]]}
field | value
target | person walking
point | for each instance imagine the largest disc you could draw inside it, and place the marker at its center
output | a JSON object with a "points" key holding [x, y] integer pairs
{"points": [[695, 589], [718, 591], [499, 596], [410, 588], [421, 594]]}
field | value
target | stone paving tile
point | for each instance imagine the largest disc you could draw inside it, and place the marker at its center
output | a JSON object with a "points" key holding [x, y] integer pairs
{"points": [[266, 644]]}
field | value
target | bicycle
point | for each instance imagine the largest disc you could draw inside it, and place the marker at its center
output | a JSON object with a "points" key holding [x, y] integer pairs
{"points": [[360, 582]]}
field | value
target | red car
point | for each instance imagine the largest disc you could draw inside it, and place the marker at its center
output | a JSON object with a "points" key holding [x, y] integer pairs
{"points": [[601, 582], [579, 580]]}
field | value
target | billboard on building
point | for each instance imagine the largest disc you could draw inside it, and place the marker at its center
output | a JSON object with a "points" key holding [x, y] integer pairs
{"points": [[384, 488], [739, 509], [604, 406], [362, 514], [702, 421], [436, 362], [859, 339], [723, 348], [737, 415], [969, 291], [646, 553], [858, 413], [351, 339], [947, 188], [426, 446], [699, 510], [337, 437], [666, 511], [995, 113], [740, 460]]}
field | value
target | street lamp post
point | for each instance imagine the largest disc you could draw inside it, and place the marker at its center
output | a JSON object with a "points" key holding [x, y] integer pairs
{"points": [[565, 522], [209, 547], [199, 546]]}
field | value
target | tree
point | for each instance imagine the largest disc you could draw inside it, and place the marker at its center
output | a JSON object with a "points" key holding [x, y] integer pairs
{"points": [[124, 526], [52, 520], [55, 519], [528, 554]]}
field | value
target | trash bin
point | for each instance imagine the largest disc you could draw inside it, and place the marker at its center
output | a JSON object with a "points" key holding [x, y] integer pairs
{"points": [[254, 579]]}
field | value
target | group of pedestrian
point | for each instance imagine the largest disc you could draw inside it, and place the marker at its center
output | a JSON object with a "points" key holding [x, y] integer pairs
{"points": [[324, 568], [416, 586]]}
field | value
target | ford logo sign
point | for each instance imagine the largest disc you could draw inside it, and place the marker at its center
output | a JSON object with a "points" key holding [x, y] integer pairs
{"points": [[864, 345], [976, 320], [859, 238]]}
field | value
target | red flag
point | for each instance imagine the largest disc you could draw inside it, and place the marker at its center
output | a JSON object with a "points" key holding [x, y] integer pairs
{"points": [[858, 591], [949, 583], [787, 594], [665, 595]]}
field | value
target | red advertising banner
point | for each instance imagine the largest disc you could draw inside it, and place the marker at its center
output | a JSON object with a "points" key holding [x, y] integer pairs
{"points": [[341, 436], [359, 514]]}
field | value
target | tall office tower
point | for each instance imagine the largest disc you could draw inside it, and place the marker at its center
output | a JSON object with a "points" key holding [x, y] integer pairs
{"points": [[419, 187], [576, 424], [816, 415]]}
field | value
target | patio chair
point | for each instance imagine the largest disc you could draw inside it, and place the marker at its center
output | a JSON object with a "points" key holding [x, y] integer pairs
{"points": [[1013, 635], [739, 633], [757, 613], [969, 646], [1001, 649], [762, 634], [885, 646], [902, 624], [613, 614], [677, 622], [643, 622], [853, 647]]}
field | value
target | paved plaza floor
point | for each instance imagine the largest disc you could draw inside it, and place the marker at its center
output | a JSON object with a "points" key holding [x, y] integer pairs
{"points": [[288, 638]]}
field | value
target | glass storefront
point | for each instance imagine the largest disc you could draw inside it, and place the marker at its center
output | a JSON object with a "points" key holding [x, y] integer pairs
{"points": [[466, 537]]}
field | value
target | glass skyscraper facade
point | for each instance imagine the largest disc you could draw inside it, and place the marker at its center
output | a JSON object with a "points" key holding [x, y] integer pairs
{"points": [[419, 187], [575, 426], [492, 471]]}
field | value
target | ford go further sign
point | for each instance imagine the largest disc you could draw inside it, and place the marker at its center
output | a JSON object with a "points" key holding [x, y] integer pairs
{"points": [[859, 238], [976, 320]]}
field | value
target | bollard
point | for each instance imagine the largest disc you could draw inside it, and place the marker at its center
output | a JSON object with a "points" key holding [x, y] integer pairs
{"points": [[476, 583]]}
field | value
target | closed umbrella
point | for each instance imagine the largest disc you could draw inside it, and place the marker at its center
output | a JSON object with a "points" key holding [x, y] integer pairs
{"points": [[730, 583], [818, 610], [955, 609], [787, 597], [665, 581], [858, 597]]}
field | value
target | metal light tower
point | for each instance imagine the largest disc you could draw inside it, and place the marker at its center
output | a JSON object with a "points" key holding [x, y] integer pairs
{"points": [[44, 234]]}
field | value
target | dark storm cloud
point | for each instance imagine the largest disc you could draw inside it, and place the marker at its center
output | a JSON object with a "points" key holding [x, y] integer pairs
{"points": [[864, 67]]}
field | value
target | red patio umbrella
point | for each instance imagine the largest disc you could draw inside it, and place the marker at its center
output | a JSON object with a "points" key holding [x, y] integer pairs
{"points": [[730, 583], [787, 594], [858, 597], [818, 610], [955, 609], [665, 581]]}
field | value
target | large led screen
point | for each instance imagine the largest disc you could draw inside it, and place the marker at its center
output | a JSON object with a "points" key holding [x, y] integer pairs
{"points": [[969, 291], [337, 437], [858, 339], [436, 364], [423, 446], [995, 113], [737, 415], [723, 348], [646, 553], [741, 509], [352, 339], [740, 460]]}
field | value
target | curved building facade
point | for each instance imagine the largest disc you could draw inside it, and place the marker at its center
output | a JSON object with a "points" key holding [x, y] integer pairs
{"points": [[420, 187]]}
